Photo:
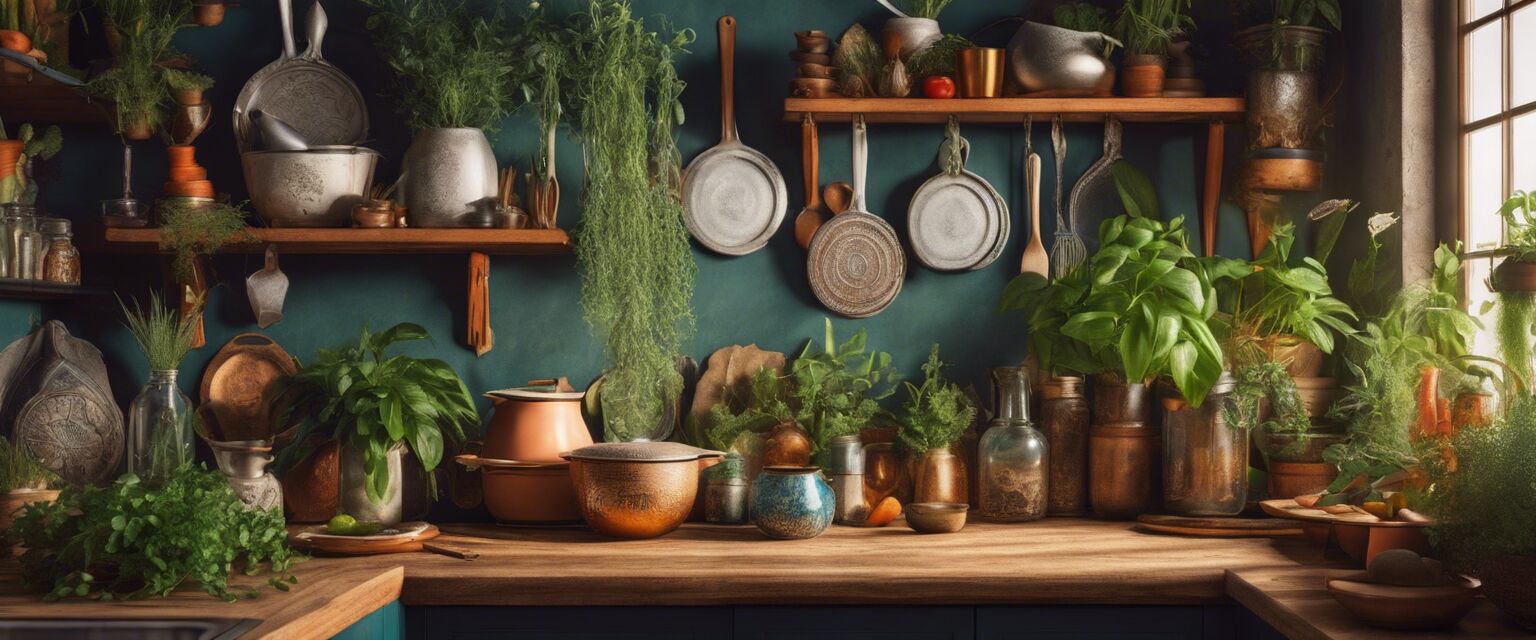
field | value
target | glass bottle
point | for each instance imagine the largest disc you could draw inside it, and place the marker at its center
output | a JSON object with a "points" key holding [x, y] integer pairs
{"points": [[1064, 420], [1012, 457], [16, 220], [159, 428], [61, 262], [26, 263]]}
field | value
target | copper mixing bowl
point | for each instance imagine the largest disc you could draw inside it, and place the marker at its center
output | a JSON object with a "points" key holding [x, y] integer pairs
{"points": [[636, 489]]}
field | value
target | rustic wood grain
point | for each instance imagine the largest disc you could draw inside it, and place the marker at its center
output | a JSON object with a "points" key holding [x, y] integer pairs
{"points": [[386, 241], [1013, 110]]}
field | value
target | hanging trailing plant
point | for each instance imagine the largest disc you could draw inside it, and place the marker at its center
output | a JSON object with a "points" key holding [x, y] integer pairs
{"points": [[632, 245]]}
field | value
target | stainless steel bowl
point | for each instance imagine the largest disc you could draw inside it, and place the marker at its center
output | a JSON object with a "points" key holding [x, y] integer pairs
{"points": [[313, 188]]}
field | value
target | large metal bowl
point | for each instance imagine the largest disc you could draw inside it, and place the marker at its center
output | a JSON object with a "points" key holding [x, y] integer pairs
{"points": [[636, 489], [312, 188]]}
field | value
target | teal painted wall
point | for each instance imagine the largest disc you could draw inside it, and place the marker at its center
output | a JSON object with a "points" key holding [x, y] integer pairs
{"points": [[761, 298]]}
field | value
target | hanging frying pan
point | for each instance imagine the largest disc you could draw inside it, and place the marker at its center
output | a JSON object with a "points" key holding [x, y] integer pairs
{"points": [[733, 196], [856, 263], [956, 221], [304, 91], [1095, 198]]}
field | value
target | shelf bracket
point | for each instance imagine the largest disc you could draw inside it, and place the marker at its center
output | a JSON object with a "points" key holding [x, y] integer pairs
{"points": [[1210, 201], [478, 335]]}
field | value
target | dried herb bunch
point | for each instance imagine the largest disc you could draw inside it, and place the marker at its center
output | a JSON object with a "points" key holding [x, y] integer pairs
{"points": [[936, 413], [454, 63], [137, 82], [192, 230]]}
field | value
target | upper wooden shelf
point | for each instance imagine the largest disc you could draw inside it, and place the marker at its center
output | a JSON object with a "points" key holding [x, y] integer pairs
{"points": [[1013, 110], [382, 241]]}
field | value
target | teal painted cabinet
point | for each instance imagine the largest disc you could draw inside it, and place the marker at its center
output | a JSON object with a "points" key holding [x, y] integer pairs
{"points": [[388, 623]]}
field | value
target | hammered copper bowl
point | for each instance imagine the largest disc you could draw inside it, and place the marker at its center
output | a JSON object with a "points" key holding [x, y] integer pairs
{"points": [[636, 489]]}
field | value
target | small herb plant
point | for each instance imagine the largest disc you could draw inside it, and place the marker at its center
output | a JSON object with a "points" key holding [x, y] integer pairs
{"points": [[375, 402], [183, 80], [937, 59], [18, 187], [1519, 214], [1486, 507], [1265, 380], [129, 540], [1088, 18], [1288, 297], [937, 413], [1048, 305], [454, 66], [926, 8], [763, 403], [19, 470], [161, 333], [1147, 27], [838, 389], [137, 82], [192, 230]]}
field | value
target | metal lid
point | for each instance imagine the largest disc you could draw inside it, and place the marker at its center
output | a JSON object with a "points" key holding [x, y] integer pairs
{"points": [[534, 394], [54, 226], [641, 452]]}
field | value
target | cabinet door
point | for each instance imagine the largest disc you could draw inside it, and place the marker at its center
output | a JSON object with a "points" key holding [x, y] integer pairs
{"points": [[570, 623], [855, 623], [1090, 623]]}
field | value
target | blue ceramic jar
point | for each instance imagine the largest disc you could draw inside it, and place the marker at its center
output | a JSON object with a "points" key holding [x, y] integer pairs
{"points": [[792, 503]]}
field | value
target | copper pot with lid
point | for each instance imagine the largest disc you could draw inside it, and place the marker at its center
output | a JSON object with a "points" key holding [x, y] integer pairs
{"points": [[636, 489]]}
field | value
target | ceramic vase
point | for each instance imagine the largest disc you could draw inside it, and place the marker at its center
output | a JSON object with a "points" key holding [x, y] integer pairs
{"points": [[448, 175], [792, 503]]}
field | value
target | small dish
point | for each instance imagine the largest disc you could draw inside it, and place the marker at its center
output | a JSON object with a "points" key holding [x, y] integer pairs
{"points": [[812, 70], [1395, 607], [813, 87], [813, 41], [937, 517], [402, 538]]}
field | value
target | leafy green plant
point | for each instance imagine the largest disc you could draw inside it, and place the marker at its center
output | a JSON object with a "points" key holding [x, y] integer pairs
{"points": [[761, 404], [938, 59], [1303, 55], [1519, 214], [192, 230], [632, 246], [1486, 507], [1147, 27], [1137, 193], [137, 82], [20, 470], [375, 402], [548, 48], [1048, 305], [454, 66], [128, 540], [838, 389], [926, 8], [1265, 380], [1282, 296], [18, 187], [1380, 406], [937, 413], [161, 333], [184, 80], [1088, 18]]}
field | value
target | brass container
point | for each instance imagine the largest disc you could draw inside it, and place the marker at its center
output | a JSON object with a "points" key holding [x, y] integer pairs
{"points": [[1124, 464], [787, 446], [636, 489], [940, 477], [979, 72]]}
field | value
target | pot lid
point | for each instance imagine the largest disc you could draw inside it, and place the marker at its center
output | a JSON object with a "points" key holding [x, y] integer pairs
{"points": [[473, 461], [641, 452], [534, 394]]}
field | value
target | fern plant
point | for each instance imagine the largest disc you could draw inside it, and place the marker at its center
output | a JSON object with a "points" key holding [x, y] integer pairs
{"points": [[1147, 27], [1486, 507], [937, 413], [453, 65]]}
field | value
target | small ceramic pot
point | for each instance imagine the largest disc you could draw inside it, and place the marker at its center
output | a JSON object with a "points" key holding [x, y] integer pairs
{"points": [[208, 13], [792, 503], [534, 426], [389, 508], [137, 128], [979, 73], [1142, 76], [937, 517], [526, 493], [813, 41], [1301, 358], [1514, 276], [1291, 479]]}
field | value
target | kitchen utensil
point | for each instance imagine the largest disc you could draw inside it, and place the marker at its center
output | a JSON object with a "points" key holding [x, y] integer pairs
{"points": [[1035, 259], [813, 215], [1095, 194], [937, 517], [527, 493], [955, 221], [979, 73], [1217, 527], [534, 425], [452, 552], [1067, 252], [266, 290], [125, 211], [241, 384], [733, 196], [314, 188], [1050, 60], [244, 459], [856, 263], [636, 489], [402, 538], [1395, 607], [275, 135], [837, 197], [303, 90]]}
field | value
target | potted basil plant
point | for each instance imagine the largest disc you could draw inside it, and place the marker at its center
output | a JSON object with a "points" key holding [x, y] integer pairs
{"points": [[377, 407]]}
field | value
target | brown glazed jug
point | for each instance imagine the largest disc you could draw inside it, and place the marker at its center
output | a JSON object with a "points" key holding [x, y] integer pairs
{"points": [[534, 426]]}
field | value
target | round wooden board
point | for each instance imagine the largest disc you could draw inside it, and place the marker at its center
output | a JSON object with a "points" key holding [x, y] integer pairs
{"points": [[311, 538], [1287, 508], [1217, 527]]}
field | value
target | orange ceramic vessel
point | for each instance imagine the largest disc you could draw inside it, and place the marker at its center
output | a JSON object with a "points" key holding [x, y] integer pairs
{"points": [[534, 427]]}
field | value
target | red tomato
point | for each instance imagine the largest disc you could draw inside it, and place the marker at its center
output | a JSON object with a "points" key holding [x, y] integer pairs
{"points": [[939, 87]]}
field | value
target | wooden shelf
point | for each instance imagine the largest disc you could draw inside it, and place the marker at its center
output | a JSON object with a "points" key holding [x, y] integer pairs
{"points": [[15, 289], [380, 241], [1013, 110], [28, 95]]}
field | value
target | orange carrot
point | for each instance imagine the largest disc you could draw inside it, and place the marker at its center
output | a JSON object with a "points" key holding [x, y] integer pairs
{"points": [[1428, 402]]}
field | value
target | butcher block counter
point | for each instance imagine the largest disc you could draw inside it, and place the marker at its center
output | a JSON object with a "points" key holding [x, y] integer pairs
{"points": [[1053, 562]]}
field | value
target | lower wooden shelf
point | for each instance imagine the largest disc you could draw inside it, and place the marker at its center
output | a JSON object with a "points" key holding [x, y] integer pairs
{"points": [[15, 289], [380, 241]]}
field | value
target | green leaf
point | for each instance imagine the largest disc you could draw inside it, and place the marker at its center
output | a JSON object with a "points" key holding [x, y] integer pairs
{"points": [[1091, 326], [1136, 191], [1136, 348]]}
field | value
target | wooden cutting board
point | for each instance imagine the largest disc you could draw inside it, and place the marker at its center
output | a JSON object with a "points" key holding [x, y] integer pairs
{"points": [[1217, 527]]}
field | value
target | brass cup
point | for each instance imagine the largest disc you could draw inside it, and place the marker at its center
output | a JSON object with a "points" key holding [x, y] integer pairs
{"points": [[979, 72]]}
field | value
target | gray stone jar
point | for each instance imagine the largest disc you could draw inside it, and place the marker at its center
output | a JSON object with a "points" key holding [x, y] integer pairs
{"points": [[448, 176]]}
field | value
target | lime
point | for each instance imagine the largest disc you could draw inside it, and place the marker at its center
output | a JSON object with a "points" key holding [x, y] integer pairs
{"points": [[341, 524]]}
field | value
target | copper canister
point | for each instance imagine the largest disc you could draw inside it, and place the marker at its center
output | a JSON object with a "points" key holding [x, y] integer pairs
{"points": [[979, 72], [1064, 421], [1125, 460]]}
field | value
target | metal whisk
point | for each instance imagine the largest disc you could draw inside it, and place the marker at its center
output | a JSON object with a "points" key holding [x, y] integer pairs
{"points": [[1067, 251]]}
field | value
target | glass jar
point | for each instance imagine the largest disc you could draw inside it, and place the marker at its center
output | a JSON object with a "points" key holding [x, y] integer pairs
{"points": [[1064, 421], [159, 428], [61, 261], [1012, 459], [885, 475], [17, 222], [1205, 460]]}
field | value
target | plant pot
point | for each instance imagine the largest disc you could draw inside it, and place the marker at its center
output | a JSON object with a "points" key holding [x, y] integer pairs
{"points": [[1291, 48], [207, 14], [1509, 582], [1296, 447], [979, 73], [159, 437], [1291, 479], [355, 500], [181, 155], [792, 503], [1318, 395], [940, 477], [1205, 460], [915, 33], [1514, 276], [189, 97], [787, 446], [1283, 174], [1046, 59], [1301, 358], [449, 174], [1124, 464], [137, 128], [1142, 76], [534, 426], [1283, 109], [12, 501], [1115, 402]]}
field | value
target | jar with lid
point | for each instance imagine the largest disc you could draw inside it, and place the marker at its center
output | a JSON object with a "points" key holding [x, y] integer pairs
{"points": [[1012, 457], [61, 261], [17, 223], [1064, 421], [845, 472]]}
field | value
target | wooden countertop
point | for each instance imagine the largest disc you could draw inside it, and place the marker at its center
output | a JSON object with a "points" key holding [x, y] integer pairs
{"points": [[1056, 561]]}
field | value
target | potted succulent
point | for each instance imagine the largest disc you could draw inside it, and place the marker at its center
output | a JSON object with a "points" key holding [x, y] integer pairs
{"points": [[17, 156], [452, 69], [23, 480], [140, 32], [377, 406], [1485, 509], [160, 418], [935, 416], [1147, 27]]}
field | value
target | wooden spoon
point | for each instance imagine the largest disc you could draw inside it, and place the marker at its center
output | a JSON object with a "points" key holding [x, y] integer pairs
{"points": [[813, 215], [1035, 259], [838, 196]]}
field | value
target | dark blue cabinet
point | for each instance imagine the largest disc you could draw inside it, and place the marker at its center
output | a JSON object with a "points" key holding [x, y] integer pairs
{"points": [[569, 623], [855, 623]]}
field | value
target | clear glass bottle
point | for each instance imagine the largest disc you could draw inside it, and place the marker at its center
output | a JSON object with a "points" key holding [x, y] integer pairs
{"points": [[16, 220], [159, 428], [61, 261], [1012, 458]]}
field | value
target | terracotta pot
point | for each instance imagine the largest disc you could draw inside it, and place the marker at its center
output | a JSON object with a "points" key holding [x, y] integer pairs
{"points": [[1301, 358], [787, 446], [1362, 542], [1301, 47], [181, 155], [1515, 276], [10, 154], [186, 174], [534, 426], [12, 502], [1124, 462], [1318, 395], [190, 97], [1291, 479], [1509, 582], [137, 129], [311, 488], [190, 189], [1142, 76], [940, 477], [528, 493], [209, 14]]}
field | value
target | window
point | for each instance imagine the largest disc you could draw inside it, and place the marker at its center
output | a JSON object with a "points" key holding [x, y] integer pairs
{"points": [[1497, 129]]}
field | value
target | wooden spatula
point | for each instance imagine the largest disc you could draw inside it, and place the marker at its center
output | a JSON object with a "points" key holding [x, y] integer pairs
{"points": [[1035, 259]]}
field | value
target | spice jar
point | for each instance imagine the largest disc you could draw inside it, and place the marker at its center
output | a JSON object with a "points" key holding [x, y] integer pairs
{"points": [[26, 261], [726, 495], [1064, 421], [15, 220], [845, 472], [1013, 458], [61, 261]]}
